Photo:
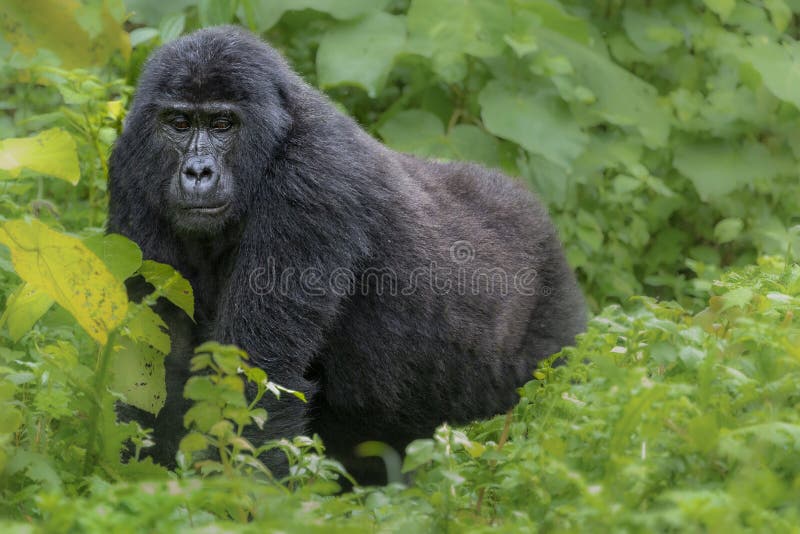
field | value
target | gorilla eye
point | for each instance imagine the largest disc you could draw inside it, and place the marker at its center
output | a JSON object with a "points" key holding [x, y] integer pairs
{"points": [[180, 123], [220, 123]]}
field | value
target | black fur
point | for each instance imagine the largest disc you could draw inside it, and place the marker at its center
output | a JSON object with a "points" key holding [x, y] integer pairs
{"points": [[314, 194]]}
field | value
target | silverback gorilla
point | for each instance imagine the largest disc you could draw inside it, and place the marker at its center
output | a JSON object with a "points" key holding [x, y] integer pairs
{"points": [[396, 293]]}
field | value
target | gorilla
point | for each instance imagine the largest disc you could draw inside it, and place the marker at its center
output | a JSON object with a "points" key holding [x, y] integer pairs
{"points": [[396, 293]]}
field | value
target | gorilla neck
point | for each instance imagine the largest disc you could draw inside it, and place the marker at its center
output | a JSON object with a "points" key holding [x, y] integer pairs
{"points": [[207, 261]]}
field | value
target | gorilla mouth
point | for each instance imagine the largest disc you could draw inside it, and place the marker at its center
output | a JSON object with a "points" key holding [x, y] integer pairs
{"points": [[207, 210]]}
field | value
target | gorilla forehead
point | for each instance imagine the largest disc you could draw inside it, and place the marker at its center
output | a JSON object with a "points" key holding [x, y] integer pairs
{"points": [[222, 63]]}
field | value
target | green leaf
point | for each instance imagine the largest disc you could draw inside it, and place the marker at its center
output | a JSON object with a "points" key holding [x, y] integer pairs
{"points": [[139, 375], [193, 442], [621, 97], [446, 30], [739, 297], [24, 307], [778, 65], [142, 35], [146, 326], [361, 52], [171, 27], [728, 229], [169, 284], [121, 255], [553, 16], [650, 31], [65, 269], [264, 14], [717, 168], [422, 133], [52, 152], [213, 12], [723, 8], [538, 122], [779, 12]]}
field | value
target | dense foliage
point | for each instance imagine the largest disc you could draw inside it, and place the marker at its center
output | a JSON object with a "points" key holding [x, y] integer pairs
{"points": [[662, 134]]}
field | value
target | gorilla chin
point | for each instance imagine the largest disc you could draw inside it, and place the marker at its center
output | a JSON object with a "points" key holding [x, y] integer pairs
{"points": [[201, 220], [229, 164]]}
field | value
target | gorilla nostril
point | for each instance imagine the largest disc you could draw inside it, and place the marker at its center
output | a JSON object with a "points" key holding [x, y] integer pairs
{"points": [[199, 175]]}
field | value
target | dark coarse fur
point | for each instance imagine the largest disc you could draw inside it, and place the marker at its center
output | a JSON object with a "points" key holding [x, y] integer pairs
{"points": [[314, 191]]}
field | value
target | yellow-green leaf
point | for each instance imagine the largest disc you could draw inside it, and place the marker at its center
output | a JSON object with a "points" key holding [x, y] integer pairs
{"points": [[169, 284], [65, 269], [52, 152], [24, 307], [139, 375], [80, 33]]}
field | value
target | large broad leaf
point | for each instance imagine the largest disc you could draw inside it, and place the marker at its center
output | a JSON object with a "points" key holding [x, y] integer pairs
{"points": [[169, 284], [27, 304], [52, 152], [422, 133], [138, 373], [361, 52], [446, 30], [80, 33], [263, 14], [621, 97], [65, 269], [778, 65], [538, 122], [717, 168]]}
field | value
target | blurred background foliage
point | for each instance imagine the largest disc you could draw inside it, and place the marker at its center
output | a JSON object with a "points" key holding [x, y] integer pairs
{"points": [[663, 136]]}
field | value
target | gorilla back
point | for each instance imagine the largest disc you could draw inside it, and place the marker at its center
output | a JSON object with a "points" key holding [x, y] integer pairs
{"points": [[396, 293]]}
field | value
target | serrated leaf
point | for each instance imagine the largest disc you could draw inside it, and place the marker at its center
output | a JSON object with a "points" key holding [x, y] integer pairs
{"points": [[146, 326], [139, 375], [361, 52], [739, 297], [169, 284], [193, 442], [65, 269], [538, 122], [52, 152]]}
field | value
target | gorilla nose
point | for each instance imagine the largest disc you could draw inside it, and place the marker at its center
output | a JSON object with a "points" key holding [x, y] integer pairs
{"points": [[199, 175]]}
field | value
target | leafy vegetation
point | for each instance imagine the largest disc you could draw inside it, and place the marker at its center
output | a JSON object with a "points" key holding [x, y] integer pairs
{"points": [[662, 135]]}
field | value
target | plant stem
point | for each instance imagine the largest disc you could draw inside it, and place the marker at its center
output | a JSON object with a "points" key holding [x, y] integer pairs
{"points": [[97, 404]]}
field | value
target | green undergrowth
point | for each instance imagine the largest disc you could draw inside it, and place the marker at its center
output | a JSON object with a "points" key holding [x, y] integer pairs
{"points": [[660, 419]]}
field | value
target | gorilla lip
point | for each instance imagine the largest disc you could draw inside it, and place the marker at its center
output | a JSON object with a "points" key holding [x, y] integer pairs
{"points": [[207, 210]]}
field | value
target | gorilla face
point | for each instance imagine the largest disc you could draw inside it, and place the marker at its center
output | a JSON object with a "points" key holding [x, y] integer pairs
{"points": [[201, 185]]}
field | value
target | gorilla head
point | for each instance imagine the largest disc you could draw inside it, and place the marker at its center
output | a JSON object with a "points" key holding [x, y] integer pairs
{"points": [[209, 140]]}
